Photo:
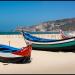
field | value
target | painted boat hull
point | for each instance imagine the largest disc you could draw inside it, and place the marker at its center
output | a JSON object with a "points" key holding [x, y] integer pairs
{"points": [[20, 56], [55, 49], [30, 37], [25, 59], [68, 46], [36, 39]]}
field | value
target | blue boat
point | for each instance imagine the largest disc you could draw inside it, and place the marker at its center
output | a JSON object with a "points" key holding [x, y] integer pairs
{"points": [[13, 54], [30, 37], [67, 44]]}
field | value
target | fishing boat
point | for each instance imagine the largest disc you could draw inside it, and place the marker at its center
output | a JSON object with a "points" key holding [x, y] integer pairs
{"points": [[66, 44], [29, 37], [13, 54], [62, 45]]}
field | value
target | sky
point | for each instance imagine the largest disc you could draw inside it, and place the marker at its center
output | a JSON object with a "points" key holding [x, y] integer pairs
{"points": [[27, 13]]}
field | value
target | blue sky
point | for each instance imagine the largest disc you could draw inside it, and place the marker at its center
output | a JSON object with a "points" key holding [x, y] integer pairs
{"points": [[26, 13]]}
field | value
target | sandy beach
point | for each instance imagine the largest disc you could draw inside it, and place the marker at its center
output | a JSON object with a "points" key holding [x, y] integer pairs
{"points": [[42, 62], [48, 26]]}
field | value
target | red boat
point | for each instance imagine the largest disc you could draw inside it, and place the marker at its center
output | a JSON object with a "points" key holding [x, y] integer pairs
{"points": [[14, 52], [13, 55]]}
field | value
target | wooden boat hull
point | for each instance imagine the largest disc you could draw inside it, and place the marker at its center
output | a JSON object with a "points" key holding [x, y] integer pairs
{"points": [[55, 49], [36, 39], [25, 59], [22, 55], [68, 46]]}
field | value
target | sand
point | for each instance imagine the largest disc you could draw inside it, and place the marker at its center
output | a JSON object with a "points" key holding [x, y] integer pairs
{"points": [[48, 36], [13, 40], [42, 62]]}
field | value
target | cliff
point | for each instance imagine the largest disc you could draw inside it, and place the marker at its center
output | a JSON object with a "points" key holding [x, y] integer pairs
{"points": [[64, 24]]}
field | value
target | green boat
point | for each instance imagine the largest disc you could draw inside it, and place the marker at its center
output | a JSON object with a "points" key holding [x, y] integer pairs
{"points": [[66, 45]]}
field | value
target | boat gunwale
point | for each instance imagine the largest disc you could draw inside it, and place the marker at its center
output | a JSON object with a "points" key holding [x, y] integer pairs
{"points": [[52, 40], [55, 42], [67, 44]]}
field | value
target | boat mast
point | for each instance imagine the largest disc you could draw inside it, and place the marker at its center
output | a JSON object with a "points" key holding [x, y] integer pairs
{"points": [[9, 43]]}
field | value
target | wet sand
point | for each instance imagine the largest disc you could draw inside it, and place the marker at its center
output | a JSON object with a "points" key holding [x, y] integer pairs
{"points": [[43, 62]]}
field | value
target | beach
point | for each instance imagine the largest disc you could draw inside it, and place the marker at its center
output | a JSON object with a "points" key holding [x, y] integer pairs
{"points": [[42, 62], [48, 26]]}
